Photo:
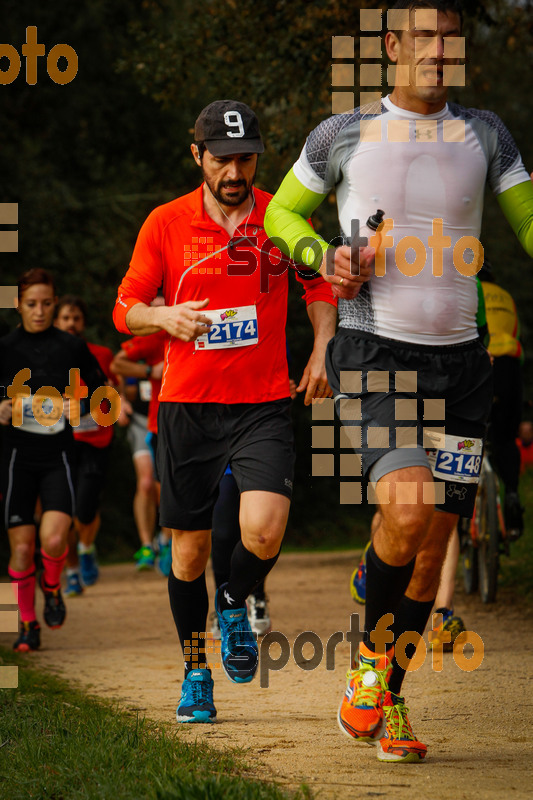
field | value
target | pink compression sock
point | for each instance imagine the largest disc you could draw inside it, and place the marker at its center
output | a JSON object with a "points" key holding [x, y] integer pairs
{"points": [[25, 582], [53, 568]]}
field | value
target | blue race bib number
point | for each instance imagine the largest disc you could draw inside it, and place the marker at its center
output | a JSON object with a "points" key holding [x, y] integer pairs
{"points": [[232, 327], [455, 458], [458, 464]]}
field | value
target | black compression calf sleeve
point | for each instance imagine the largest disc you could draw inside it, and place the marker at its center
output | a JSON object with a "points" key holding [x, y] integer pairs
{"points": [[226, 529], [247, 572], [385, 587], [412, 615], [189, 603], [259, 591]]}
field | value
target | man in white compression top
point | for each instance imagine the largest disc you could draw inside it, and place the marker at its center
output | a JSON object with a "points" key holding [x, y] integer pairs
{"points": [[411, 379]]}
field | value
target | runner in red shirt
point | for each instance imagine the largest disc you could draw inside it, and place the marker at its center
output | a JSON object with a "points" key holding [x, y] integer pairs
{"points": [[91, 448], [150, 350], [225, 390]]}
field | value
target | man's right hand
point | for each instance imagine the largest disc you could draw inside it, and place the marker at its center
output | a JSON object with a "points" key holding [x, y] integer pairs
{"points": [[351, 270], [184, 321]]}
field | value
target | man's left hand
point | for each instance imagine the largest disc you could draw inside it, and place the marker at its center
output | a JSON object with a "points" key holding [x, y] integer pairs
{"points": [[314, 380]]}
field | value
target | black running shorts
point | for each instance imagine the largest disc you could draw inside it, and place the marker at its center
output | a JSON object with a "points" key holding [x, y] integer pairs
{"points": [[27, 475], [404, 405], [91, 468], [197, 441]]}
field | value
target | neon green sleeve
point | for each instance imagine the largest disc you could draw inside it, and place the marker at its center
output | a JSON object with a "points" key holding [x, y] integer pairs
{"points": [[286, 222], [517, 205]]}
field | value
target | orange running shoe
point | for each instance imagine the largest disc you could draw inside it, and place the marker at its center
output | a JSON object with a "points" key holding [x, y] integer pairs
{"points": [[399, 742], [360, 714]]}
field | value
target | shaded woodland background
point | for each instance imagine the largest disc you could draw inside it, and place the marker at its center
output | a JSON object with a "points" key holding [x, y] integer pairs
{"points": [[87, 161]]}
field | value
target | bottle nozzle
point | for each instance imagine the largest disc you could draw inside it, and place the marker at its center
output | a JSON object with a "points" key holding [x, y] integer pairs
{"points": [[376, 219]]}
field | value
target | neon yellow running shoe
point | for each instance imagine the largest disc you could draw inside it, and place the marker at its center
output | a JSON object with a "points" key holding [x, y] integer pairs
{"points": [[448, 631]]}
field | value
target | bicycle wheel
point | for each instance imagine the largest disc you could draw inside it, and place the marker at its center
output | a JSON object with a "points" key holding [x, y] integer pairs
{"points": [[469, 557], [489, 539]]}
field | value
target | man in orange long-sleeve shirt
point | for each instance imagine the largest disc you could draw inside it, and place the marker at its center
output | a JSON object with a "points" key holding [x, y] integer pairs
{"points": [[225, 389]]}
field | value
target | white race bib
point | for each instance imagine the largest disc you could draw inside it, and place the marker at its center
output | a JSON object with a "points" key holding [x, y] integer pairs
{"points": [[232, 327], [45, 411], [455, 458], [145, 391]]}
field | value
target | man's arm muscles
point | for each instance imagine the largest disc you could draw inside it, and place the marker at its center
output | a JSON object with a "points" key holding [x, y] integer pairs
{"points": [[286, 220], [314, 380], [517, 205], [184, 321], [141, 319], [323, 318]]}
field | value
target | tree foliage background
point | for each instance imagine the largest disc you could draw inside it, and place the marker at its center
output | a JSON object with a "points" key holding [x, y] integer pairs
{"points": [[87, 161]]}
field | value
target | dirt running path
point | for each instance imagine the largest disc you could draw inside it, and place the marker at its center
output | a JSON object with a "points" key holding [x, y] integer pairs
{"points": [[119, 642]]}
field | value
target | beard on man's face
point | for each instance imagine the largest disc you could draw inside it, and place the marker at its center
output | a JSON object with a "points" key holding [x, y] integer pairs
{"points": [[234, 198]]}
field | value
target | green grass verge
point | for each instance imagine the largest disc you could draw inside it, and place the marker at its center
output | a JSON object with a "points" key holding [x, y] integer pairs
{"points": [[56, 743]]}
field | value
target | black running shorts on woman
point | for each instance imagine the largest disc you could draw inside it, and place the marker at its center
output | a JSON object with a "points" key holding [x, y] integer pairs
{"points": [[28, 475], [37, 459], [404, 404], [196, 442]]}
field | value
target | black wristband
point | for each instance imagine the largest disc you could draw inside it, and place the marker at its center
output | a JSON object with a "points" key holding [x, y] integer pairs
{"points": [[148, 370]]}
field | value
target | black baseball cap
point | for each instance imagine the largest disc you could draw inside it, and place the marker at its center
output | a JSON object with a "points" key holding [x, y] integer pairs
{"points": [[228, 127]]}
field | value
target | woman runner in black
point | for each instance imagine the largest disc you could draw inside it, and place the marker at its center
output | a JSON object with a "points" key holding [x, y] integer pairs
{"points": [[35, 363]]}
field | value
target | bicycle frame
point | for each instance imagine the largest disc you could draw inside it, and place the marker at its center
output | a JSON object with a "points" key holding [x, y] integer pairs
{"points": [[483, 536]]}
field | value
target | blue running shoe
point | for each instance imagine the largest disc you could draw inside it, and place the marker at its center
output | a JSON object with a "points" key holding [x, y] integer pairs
{"points": [[73, 587], [358, 580], [88, 566], [238, 647], [196, 701], [164, 561]]}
